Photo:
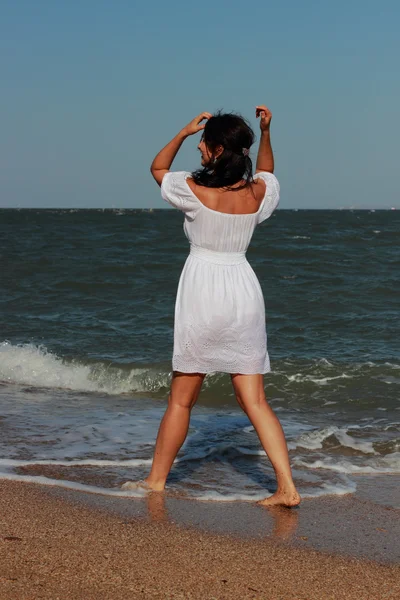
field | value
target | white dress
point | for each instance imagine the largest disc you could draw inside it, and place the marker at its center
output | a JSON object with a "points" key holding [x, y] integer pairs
{"points": [[219, 321]]}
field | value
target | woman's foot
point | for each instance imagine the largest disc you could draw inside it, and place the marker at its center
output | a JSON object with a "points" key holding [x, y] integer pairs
{"points": [[142, 484], [284, 497], [135, 485]]}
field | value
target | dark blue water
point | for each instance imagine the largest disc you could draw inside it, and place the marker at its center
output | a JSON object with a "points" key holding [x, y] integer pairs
{"points": [[86, 331]]}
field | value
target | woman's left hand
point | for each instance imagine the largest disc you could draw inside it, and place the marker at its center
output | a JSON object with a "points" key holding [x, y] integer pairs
{"points": [[195, 125], [265, 117]]}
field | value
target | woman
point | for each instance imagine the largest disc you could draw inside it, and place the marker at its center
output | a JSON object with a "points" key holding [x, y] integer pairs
{"points": [[219, 310]]}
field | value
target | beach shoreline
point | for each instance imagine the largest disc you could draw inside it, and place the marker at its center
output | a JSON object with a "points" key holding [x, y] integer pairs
{"points": [[62, 543]]}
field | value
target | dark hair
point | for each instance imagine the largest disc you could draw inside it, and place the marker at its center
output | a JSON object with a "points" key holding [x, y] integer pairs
{"points": [[233, 133]]}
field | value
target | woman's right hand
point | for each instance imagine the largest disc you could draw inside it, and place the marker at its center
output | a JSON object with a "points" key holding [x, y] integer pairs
{"points": [[265, 117], [195, 125]]}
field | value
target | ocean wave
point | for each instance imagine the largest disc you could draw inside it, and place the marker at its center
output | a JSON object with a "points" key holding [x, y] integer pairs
{"points": [[375, 466], [313, 440], [33, 365], [300, 378]]}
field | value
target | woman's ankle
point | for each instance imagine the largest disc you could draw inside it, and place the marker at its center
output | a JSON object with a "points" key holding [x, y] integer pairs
{"points": [[155, 482], [285, 483]]}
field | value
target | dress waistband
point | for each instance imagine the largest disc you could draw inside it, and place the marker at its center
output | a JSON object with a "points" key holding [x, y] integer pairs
{"points": [[217, 257]]}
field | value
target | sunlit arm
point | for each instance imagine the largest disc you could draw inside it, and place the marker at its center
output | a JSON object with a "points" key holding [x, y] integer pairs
{"points": [[164, 159], [265, 156]]}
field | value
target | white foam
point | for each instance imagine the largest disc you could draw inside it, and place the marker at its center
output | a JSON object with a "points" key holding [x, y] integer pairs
{"points": [[384, 464], [346, 440], [300, 378], [248, 429], [132, 462], [250, 452], [332, 489], [73, 485], [324, 361], [218, 497], [213, 496], [32, 365], [394, 425], [326, 489], [313, 440]]}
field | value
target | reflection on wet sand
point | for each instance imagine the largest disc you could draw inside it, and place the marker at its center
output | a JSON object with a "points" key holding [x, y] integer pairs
{"points": [[280, 522], [156, 508], [285, 522]]}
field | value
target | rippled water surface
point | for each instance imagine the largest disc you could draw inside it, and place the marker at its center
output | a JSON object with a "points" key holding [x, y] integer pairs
{"points": [[86, 331]]}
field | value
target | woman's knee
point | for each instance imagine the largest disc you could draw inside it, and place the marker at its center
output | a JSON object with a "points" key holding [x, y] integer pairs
{"points": [[185, 389], [181, 401], [240, 402], [249, 391], [253, 403]]}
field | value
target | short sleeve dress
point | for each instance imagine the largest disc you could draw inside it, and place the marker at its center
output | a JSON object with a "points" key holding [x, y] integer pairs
{"points": [[219, 323]]}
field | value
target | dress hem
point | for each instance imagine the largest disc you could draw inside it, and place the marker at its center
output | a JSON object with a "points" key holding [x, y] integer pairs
{"points": [[229, 371]]}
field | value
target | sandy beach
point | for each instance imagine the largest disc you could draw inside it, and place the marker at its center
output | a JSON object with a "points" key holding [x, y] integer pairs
{"points": [[60, 544]]}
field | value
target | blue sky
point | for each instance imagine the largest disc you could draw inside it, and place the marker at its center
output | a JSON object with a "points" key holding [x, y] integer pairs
{"points": [[91, 90]]}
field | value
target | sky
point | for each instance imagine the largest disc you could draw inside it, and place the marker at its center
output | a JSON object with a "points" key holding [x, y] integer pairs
{"points": [[92, 90]]}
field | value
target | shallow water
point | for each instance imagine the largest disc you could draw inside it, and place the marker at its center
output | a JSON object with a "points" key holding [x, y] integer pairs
{"points": [[86, 340]]}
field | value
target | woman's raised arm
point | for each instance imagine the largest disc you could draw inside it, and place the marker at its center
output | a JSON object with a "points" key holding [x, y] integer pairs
{"points": [[265, 156], [163, 161]]}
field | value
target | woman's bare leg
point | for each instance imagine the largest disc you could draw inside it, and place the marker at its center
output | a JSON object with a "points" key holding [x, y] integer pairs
{"points": [[185, 389], [249, 390]]}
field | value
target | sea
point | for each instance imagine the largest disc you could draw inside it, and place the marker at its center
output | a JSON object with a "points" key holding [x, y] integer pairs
{"points": [[86, 336]]}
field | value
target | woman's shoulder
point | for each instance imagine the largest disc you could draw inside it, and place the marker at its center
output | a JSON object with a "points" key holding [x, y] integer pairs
{"points": [[176, 191], [175, 178], [267, 177], [271, 194]]}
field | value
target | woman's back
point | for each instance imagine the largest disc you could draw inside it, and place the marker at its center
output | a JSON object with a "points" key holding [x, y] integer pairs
{"points": [[212, 226], [232, 201]]}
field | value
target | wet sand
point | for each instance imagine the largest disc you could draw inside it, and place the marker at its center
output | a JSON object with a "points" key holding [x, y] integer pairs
{"points": [[57, 543]]}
